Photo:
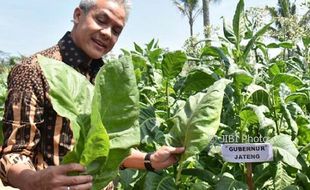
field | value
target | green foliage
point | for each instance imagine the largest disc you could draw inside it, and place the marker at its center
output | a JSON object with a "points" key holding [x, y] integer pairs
{"points": [[185, 99], [266, 97], [197, 122]]}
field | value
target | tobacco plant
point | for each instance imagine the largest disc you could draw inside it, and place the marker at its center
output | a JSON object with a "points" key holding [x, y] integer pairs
{"points": [[267, 97], [102, 116], [235, 89]]}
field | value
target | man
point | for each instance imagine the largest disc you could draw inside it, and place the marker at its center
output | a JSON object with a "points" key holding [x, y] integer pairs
{"points": [[36, 138]]}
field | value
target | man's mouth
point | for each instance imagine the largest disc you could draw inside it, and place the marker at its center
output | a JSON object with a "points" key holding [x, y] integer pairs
{"points": [[99, 43]]}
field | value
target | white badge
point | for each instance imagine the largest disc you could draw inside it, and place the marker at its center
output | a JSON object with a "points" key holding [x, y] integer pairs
{"points": [[248, 152]]}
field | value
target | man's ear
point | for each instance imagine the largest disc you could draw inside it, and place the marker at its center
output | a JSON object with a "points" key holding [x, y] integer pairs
{"points": [[78, 12]]}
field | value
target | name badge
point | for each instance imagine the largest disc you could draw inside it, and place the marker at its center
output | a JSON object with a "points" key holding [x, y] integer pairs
{"points": [[247, 153]]}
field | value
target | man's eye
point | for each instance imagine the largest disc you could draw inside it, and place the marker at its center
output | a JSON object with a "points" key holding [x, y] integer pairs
{"points": [[101, 21], [117, 31]]}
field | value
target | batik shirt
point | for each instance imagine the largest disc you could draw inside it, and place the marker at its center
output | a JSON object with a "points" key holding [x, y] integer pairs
{"points": [[34, 134]]}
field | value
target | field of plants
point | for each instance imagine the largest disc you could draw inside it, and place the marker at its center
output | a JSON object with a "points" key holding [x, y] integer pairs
{"points": [[254, 83]]}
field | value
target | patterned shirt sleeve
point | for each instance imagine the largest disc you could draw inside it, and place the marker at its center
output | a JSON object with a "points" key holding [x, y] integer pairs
{"points": [[22, 117]]}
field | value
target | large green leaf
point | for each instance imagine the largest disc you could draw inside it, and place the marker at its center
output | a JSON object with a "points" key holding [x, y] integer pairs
{"points": [[286, 148], [198, 80], [228, 182], [303, 130], [262, 173], [228, 33], [258, 94], [292, 81], [197, 122], [298, 97], [200, 185], [215, 52], [71, 95], [70, 92], [281, 178], [150, 132], [306, 41], [284, 91], [236, 20], [304, 180], [250, 44], [116, 100], [241, 77], [154, 181], [203, 175], [288, 45], [262, 119], [96, 147], [103, 116], [172, 63]]}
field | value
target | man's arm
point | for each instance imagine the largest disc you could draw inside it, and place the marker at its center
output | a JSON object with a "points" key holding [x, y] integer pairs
{"points": [[162, 158]]}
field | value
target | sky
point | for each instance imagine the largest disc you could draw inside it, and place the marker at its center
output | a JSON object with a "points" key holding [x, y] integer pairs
{"points": [[28, 26]]}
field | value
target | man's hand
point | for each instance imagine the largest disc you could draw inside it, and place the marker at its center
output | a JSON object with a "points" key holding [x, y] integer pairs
{"points": [[52, 178], [162, 158], [165, 157]]}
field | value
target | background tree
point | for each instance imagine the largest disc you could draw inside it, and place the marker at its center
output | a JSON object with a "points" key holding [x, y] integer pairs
{"points": [[189, 8], [284, 11], [206, 16]]}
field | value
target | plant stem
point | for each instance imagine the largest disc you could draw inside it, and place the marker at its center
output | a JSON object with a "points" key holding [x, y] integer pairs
{"points": [[167, 98], [249, 176], [223, 168], [178, 177]]}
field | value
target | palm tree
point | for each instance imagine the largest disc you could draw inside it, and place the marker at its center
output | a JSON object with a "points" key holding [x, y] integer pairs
{"points": [[206, 16], [284, 10], [189, 8]]}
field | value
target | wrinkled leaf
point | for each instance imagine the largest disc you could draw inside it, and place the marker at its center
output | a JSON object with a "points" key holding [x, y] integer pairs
{"points": [[150, 132], [241, 77], [292, 81], [154, 181], [250, 44], [215, 52], [197, 122], [236, 20], [262, 119], [117, 102], [283, 93], [198, 80], [228, 182], [228, 33], [258, 94], [172, 63], [281, 178], [69, 101], [286, 148]]}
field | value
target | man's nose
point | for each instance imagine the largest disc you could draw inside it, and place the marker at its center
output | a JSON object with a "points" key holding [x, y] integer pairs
{"points": [[106, 32]]}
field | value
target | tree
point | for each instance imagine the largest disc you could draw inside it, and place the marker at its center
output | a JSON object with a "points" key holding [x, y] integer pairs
{"points": [[206, 16], [284, 11], [189, 8]]}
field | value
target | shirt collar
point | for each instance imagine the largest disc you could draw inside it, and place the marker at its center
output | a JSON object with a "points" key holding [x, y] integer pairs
{"points": [[74, 56]]}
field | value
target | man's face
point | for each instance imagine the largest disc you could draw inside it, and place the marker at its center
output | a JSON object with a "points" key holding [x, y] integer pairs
{"points": [[97, 31]]}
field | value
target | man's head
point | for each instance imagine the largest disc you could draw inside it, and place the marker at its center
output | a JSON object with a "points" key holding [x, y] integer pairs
{"points": [[98, 24]]}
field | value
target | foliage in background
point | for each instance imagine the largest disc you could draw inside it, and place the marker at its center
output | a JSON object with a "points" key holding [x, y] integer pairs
{"points": [[269, 96]]}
